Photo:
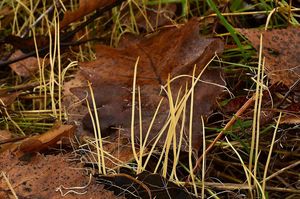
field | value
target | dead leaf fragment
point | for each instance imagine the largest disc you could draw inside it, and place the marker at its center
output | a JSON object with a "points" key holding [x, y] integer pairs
{"points": [[5, 134], [26, 45], [281, 48], [43, 141], [291, 115], [7, 98], [85, 7], [24, 68], [7, 16], [49, 176]]}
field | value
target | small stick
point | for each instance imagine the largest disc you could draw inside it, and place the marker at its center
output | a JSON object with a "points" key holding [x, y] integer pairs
{"points": [[282, 170], [295, 85], [228, 125]]}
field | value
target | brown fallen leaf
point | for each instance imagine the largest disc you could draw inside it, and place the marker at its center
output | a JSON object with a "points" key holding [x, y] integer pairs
{"points": [[7, 98], [281, 48], [27, 67], [85, 8], [48, 176], [41, 142], [172, 51], [291, 115]]}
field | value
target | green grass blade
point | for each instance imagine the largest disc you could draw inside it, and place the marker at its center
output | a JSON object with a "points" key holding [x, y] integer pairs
{"points": [[229, 27]]}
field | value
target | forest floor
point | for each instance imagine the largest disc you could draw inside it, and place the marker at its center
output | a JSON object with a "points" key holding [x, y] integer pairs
{"points": [[149, 99]]}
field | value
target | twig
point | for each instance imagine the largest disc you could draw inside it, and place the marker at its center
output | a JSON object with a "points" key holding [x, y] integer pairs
{"points": [[288, 93], [220, 135], [47, 12], [235, 186], [282, 170]]}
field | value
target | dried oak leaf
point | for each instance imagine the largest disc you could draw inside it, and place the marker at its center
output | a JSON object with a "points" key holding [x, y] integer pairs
{"points": [[7, 16], [173, 51], [281, 48]]}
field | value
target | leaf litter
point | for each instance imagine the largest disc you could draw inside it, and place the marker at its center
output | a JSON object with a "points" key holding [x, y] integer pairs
{"points": [[48, 176], [85, 7], [173, 51], [42, 141], [25, 68], [281, 50]]}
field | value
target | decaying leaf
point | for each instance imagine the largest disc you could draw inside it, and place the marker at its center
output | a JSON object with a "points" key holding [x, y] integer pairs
{"points": [[291, 115], [281, 48], [43, 141], [27, 67], [172, 51], [49, 176], [7, 98], [85, 7]]}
